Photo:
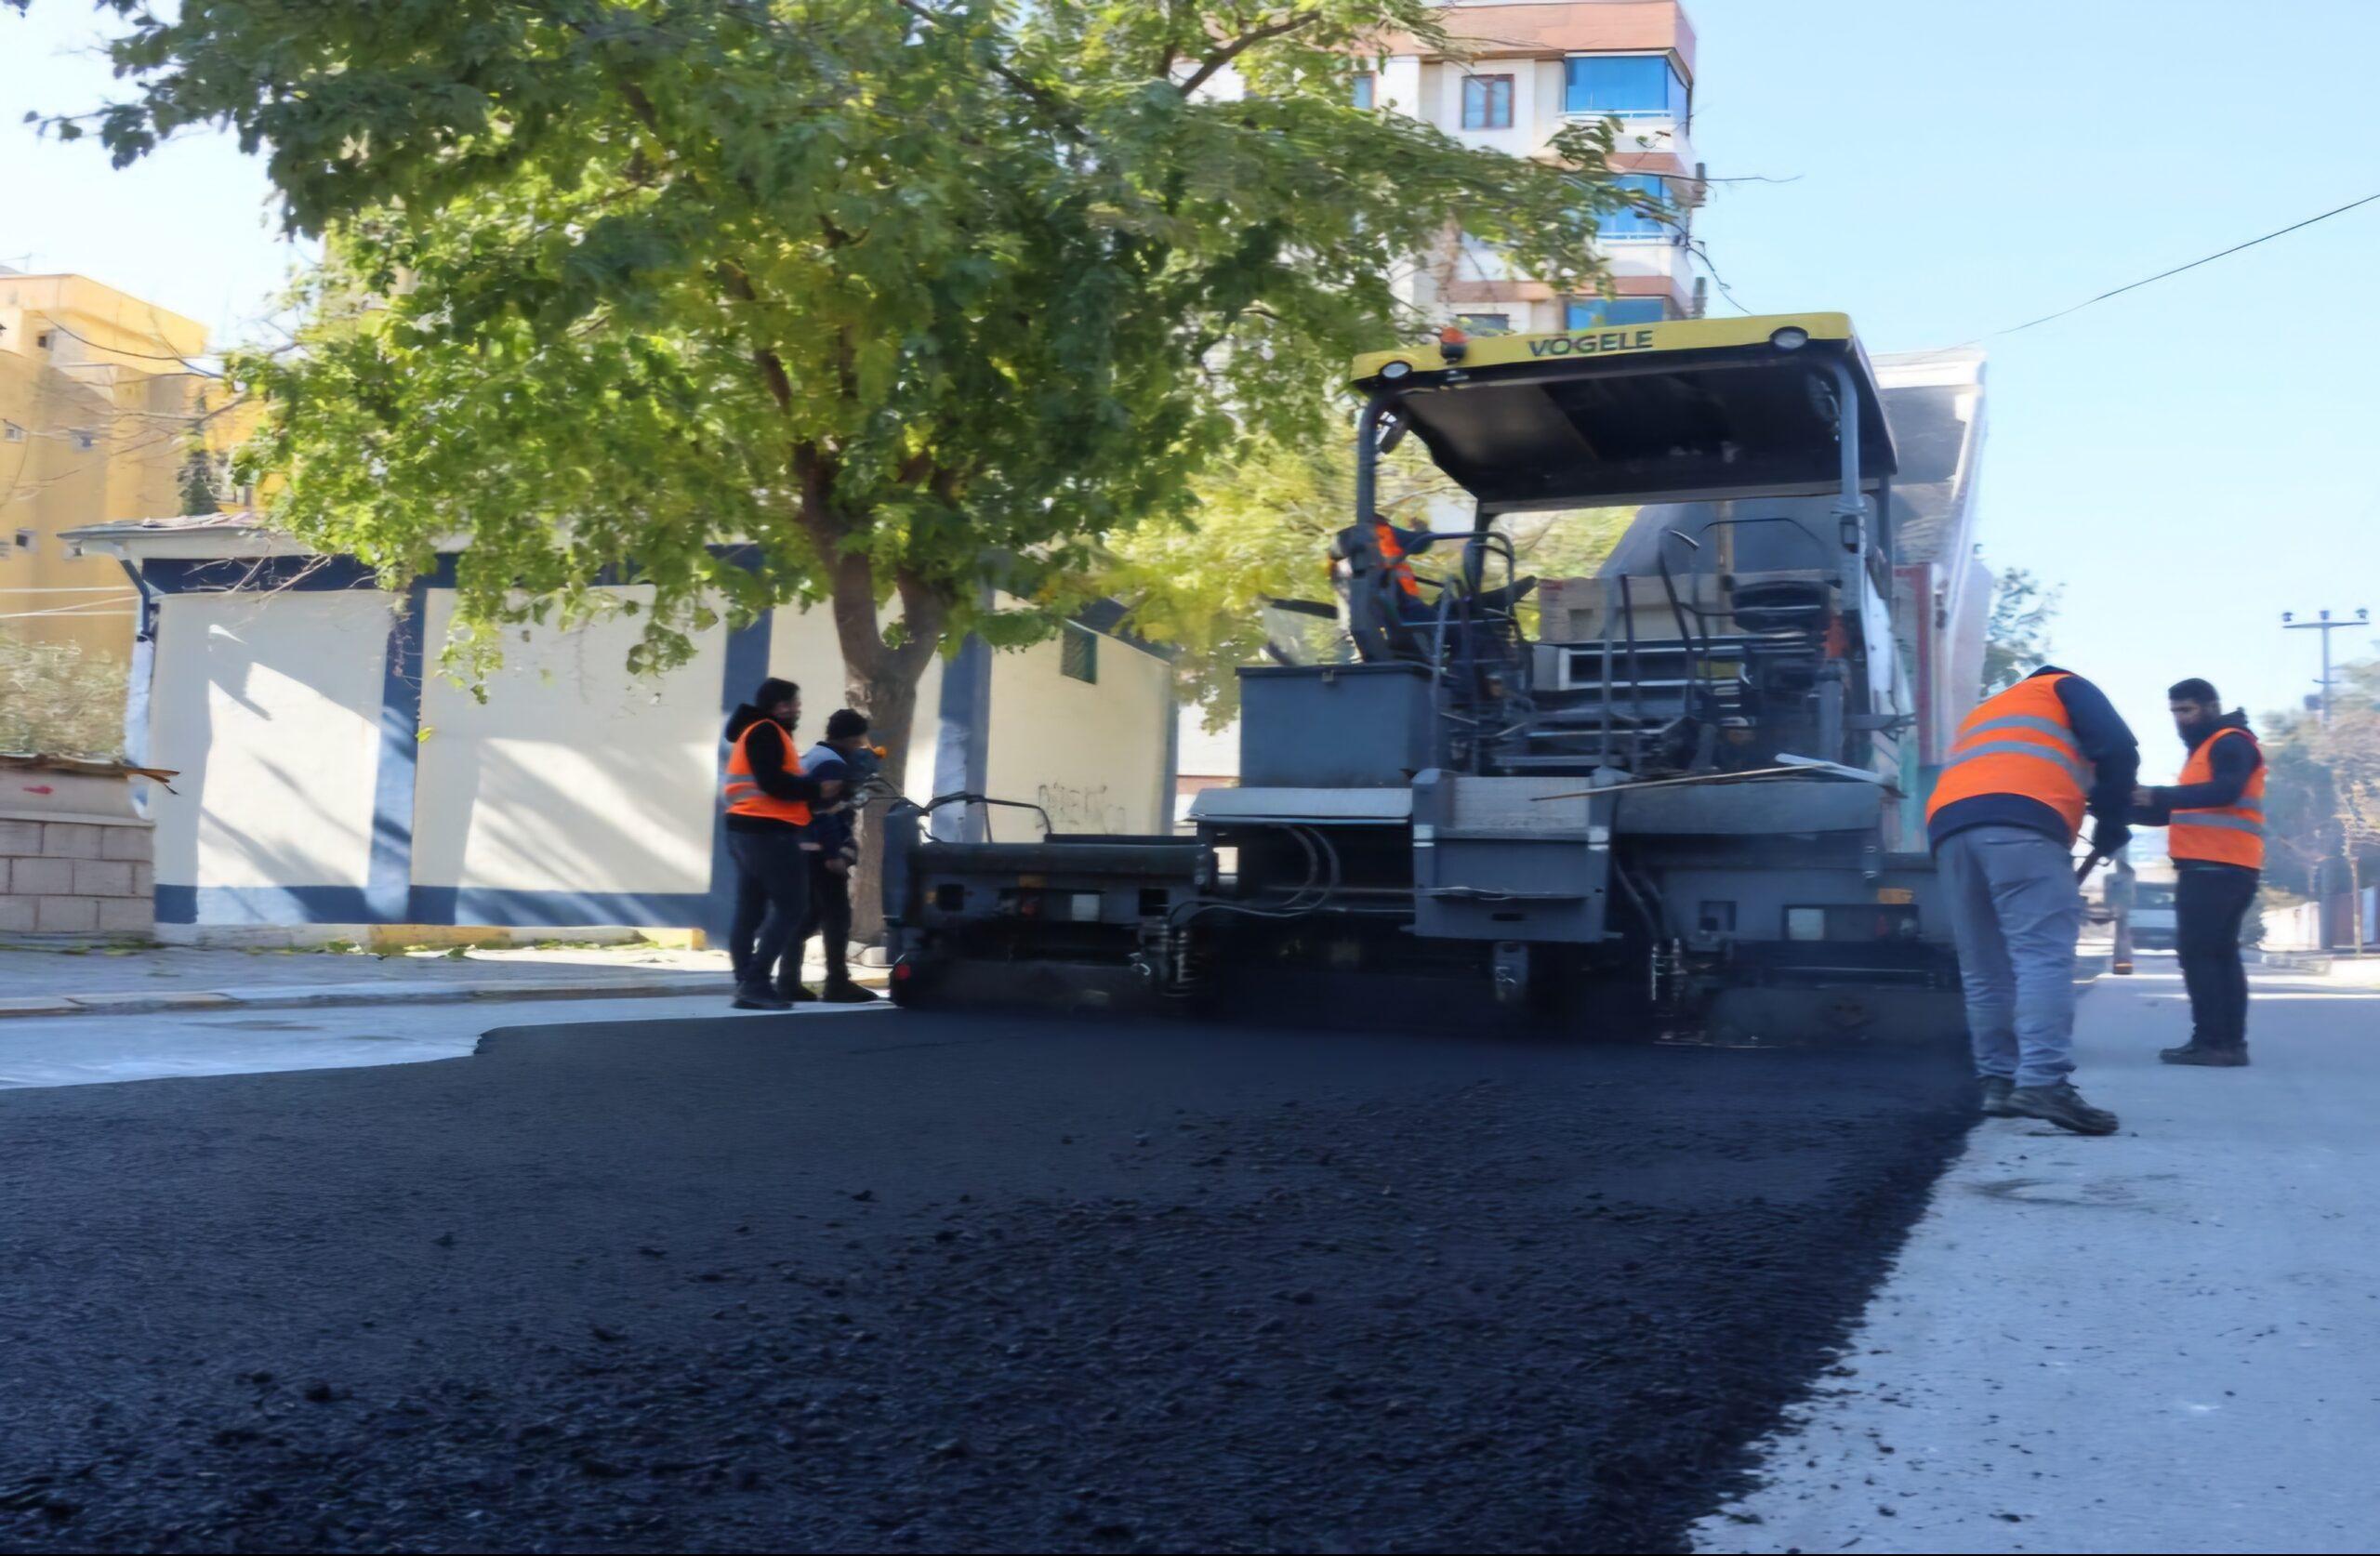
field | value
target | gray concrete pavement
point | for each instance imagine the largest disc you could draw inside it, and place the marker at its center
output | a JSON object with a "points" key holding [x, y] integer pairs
{"points": [[37, 982], [93, 1047], [2156, 1341]]}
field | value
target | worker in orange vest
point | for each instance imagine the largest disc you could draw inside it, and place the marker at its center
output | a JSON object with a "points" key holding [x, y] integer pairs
{"points": [[2027, 764], [2216, 831], [768, 800], [1398, 581]]}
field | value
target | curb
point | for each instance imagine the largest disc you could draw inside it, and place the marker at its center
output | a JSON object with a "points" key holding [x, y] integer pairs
{"points": [[318, 996]]}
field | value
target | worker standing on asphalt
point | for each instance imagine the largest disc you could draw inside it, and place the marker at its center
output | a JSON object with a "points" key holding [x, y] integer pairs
{"points": [[832, 849], [2027, 763], [768, 799], [2216, 831]]}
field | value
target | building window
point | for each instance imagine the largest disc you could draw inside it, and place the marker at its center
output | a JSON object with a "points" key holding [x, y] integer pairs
{"points": [[25, 539], [1650, 215], [1483, 323], [86, 441], [1364, 89], [1624, 86], [1591, 313], [1477, 260], [1487, 103], [11, 432], [1078, 653]]}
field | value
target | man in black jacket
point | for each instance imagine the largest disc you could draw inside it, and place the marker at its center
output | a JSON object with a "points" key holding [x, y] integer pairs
{"points": [[2214, 819], [833, 850], [769, 802]]}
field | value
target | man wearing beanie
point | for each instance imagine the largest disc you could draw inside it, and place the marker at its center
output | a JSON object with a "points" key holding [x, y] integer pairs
{"points": [[833, 851]]}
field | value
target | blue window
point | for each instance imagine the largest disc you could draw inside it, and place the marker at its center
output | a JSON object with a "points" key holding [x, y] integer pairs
{"points": [[1623, 86], [1650, 215], [1589, 313], [1364, 90], [1487, 103]]}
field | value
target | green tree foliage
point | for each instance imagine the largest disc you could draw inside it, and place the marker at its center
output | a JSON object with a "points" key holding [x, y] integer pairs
{"points": [[2322, 793], [2015, 637], [198, 476], [896, 292], [60, 698]]}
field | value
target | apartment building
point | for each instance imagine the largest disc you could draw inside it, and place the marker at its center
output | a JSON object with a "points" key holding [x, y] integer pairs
{"points": [[1516, 73], [102, 410]]}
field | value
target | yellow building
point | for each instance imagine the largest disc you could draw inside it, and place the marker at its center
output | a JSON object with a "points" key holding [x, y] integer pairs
{"points": [[101, 398]]}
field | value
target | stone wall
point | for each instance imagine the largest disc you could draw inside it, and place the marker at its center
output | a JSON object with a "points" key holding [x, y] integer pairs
{"points": [[76, 877]]}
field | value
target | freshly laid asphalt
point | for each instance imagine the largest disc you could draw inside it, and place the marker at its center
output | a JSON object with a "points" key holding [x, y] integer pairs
{"points": [[917, 1282]]}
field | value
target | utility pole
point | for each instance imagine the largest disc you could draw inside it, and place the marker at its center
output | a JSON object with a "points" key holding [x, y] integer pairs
{"points": [[2325, 626]]}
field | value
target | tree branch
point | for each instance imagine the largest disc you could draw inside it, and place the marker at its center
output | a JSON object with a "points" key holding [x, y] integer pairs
{"points": [[1242, 44], [1040, 96]]}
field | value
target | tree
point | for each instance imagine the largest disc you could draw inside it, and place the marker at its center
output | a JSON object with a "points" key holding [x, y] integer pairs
{"points": [[2323, 795], [2015, 637], [902, 294], [60, 699], [198, 488]]}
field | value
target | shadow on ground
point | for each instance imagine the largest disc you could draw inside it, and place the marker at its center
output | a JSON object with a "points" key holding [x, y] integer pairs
{"points": [[925, 1282]]}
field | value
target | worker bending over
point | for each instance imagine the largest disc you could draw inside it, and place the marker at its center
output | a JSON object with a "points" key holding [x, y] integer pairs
{"points": [[2026, 766], [2214, 819], [768, 799]]}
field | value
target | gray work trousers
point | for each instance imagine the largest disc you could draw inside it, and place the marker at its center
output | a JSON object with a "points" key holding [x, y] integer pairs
{"points": [[2016, 911]]}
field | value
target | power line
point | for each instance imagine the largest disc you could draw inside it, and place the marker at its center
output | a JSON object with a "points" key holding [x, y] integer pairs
{"points": [[2209, 260]]}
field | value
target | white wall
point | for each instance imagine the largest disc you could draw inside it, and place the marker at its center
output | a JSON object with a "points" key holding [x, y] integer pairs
{"points": [[1093, 757], [802, 649], [572, 775], [269, 707], [568, 775]]}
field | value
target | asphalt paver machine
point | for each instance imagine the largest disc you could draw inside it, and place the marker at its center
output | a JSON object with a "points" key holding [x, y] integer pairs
{"points": [[1670, 794]]}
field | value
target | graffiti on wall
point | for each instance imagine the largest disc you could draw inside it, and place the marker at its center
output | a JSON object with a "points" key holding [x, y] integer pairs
{"points": [[1091, 808]]}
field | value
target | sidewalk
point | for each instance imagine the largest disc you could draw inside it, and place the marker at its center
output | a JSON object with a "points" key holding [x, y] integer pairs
{"points": [[2154, 1341], [39, 981]]}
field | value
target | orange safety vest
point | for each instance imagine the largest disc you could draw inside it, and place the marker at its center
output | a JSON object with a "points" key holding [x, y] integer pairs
{"points": [[2019, 742], [2233, 834], [745, 797], [1393, 556]]}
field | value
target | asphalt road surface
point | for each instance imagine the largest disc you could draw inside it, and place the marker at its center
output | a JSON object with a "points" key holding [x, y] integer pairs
{"points": [[923, 1282]]}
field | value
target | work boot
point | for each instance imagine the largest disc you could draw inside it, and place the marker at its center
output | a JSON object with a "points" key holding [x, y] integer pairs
{"points": [[2062, 1105], [842, 991], [2201, 1053], [1995, 1096], [796, 993], [759, 997]]}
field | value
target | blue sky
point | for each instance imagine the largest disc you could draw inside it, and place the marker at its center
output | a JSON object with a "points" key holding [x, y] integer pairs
{"points": [[2192, 459], [2189, 460]]}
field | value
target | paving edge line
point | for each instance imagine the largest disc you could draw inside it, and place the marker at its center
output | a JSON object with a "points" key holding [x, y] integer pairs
{"points": [[318, 995]]}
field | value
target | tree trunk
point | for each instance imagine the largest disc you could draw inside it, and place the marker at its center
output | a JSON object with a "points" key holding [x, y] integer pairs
{"points": [[891, 703], [2354, 902]]}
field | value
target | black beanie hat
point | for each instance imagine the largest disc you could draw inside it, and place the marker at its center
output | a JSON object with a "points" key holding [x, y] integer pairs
{"points": [[845, 722]]}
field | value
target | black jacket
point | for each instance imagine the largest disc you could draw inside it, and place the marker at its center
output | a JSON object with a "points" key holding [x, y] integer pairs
{"points": [[768, 750]]}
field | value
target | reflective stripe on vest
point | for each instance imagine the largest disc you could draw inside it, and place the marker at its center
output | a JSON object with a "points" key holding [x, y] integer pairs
{"points": [[744, 795], [2230, 834], [2018, 742], [1392, 555]]}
